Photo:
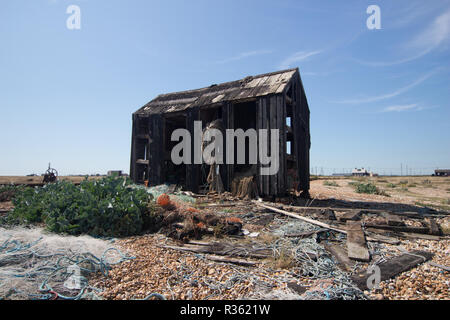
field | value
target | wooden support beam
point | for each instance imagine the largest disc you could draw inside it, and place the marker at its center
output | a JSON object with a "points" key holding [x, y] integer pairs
{"points": [[356, 242], [393, 267]]}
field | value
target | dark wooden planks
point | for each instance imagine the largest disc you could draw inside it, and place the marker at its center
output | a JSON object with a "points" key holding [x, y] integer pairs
{"points": [[423, 230], [227, 170], [393, 267], [356, 242], [273, 125], [354, 215], [155, 152], [192, 170], [133, 150], [341, 256]]}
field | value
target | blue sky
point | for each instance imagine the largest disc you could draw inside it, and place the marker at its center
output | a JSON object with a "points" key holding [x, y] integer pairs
{"points": [[378, 98]]}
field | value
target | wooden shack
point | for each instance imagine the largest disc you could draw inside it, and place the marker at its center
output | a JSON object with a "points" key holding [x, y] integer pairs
{"points": [[274, 100]]}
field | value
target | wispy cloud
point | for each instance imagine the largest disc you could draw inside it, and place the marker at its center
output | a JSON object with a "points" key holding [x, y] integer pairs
{"points": [[244, 55], [436, 34], [297, 57], [406, 107], [387, 95], [401, 108]]}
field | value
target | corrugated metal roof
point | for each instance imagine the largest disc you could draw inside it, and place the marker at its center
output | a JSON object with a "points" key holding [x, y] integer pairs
{"points": [[248, 87]]}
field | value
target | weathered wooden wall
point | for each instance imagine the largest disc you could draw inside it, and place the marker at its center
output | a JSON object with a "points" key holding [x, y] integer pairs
{"points": [[271, 113], [192, 170], [300, 128]]}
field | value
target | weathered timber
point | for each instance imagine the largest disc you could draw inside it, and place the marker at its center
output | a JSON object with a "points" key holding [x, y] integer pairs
{"points": [[341, 256], [293, 215], [434, 228], [240, 262], [394, 220], [351, 215], [305, 234], [312, 221], [356, 242], [393, 267], [417, 236], [423, 230]]}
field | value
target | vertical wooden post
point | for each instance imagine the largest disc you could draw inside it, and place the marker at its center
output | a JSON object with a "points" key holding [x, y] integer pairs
{"points": [[192, 170], [133, 149]]}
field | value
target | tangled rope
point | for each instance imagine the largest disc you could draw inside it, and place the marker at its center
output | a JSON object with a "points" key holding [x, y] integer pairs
{"points": [[61, 273]]}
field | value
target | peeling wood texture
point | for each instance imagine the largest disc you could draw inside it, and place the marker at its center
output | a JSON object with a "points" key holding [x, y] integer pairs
{"points": [[393, 267], [356, 242]]}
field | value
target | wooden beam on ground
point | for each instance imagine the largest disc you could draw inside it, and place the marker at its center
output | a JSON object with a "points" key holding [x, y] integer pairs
{"points": [[394, 220], [312, 221], [293, 215], [434, 228], [241, 262], [351, 215], [418, 236], [423, 230], [341, 256], [405, 235], [393, 267], [356, 242], [305, 234], [384, 239]]}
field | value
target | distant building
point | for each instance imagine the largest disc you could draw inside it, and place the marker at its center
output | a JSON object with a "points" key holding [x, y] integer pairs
{"points": [[360, 172], [442, 172]]}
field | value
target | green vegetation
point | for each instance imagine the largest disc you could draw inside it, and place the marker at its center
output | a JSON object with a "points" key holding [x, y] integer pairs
{"points": [[107, 207], [369, 188], [8, 192], [330, 183], [391, 185]]}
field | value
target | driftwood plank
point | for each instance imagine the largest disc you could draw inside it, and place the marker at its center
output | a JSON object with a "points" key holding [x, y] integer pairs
{"points": [[341, 256], [393, 267], [356, 242]]}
